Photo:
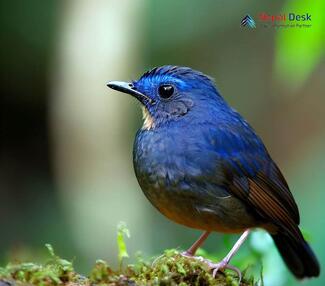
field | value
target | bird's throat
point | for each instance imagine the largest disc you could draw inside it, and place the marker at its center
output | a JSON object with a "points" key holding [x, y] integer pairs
{"points": [[148, 121]]}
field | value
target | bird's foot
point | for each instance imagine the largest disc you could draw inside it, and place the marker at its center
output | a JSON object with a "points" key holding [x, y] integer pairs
{"points": [[215, 267], [156, 260], [199, 258], [222, 265], [184, 254]]}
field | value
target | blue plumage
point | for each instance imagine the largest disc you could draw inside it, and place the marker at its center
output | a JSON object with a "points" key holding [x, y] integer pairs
{"points": [[202, 165]]}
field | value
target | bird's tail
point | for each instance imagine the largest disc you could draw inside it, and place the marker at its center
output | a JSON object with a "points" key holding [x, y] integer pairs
{"points": [[297, 254]]}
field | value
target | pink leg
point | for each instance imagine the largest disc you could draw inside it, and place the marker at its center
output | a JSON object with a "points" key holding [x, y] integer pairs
{"points": [[223, 264], [237, 245], [192, 250]]}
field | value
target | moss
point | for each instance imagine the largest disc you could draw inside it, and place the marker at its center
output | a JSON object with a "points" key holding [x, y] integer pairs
{"points": [[56, 271], [169, 269], [174, 269]]}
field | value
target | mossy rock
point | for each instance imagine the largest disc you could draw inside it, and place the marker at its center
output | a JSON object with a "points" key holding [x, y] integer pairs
{"points": [[170, 269]]}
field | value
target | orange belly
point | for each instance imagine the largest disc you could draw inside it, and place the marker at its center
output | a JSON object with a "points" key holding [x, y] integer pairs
{"points": [[224, 214]]}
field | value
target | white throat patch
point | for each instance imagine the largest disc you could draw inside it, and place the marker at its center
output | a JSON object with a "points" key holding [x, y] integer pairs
{"points": [[148, 121]]}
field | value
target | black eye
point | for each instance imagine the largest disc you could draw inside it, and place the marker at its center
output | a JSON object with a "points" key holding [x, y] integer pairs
{"points": [[166, 90]]}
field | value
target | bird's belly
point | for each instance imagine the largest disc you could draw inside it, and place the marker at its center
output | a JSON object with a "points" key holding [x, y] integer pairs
{"points": [[183, 186], [223, 214]]}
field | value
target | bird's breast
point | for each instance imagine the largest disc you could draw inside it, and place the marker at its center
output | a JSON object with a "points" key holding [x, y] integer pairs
{"points": [[156, 160], [179, 179]]}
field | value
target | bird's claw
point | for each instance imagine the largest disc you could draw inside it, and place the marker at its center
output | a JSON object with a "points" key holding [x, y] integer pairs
{"points": [[186, 254], [156, 260], [215, 267], [222, 265], [199, 258]]}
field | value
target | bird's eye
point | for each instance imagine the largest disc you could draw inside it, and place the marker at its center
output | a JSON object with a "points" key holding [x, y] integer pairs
{"points": [[166, 90]]}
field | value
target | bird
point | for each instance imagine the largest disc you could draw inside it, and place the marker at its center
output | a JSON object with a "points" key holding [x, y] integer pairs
{"points": [[202, 165]]}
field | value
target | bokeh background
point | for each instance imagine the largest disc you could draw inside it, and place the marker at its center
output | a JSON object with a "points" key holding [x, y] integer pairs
{"points": [[66, 174]]}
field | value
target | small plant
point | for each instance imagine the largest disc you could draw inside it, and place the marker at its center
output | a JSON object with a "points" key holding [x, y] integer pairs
{"points": [[122, 231]]}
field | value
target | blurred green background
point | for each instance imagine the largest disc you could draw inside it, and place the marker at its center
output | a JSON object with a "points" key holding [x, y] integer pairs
{"points": [[66, 174]]}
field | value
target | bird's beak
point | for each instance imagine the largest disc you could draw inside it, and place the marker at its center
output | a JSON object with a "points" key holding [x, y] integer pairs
{"points": [[129, 88]]}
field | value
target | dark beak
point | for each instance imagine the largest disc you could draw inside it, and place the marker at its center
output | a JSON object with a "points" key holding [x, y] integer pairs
{"points": [[128, 88]]}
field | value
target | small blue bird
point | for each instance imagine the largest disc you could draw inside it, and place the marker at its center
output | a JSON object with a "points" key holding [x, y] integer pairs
{"points": [[203, 166]]}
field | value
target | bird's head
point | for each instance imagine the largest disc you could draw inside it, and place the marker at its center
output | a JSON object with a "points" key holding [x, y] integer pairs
{"points": [[171, 93]]}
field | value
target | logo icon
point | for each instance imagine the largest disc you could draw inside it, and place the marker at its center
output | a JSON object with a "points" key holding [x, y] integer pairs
{"points": [[248, 21]]}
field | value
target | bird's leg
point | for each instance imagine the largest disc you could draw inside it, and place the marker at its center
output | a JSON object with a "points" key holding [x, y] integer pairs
{"points": [[223, 264], [192, 250]]}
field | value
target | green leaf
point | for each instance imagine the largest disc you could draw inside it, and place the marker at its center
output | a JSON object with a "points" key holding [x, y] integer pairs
{"points": [[50, 249], [180, 268], [122, 231], [63, 264]]}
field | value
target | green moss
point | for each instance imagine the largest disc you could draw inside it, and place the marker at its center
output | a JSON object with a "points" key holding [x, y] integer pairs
{"points": [[56, 271], [174, 269], [169, 269]]}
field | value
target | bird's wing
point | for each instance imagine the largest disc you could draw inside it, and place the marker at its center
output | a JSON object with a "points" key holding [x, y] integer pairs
{"points": [[251, 175]]}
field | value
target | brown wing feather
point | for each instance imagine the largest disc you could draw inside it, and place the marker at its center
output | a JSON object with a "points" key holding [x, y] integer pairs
{"points": [[250, 174], [273, 204], [274, 181]]}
